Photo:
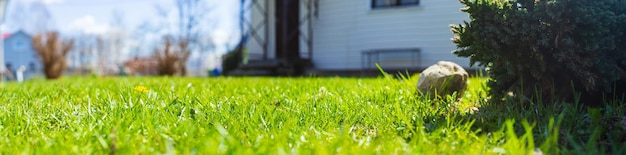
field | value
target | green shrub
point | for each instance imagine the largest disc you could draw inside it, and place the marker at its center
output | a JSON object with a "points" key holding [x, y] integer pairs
{"points": [[232, 59], [545, 49]]}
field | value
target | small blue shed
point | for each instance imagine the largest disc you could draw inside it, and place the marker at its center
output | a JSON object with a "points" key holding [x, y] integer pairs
{"points": [[18, 52]]}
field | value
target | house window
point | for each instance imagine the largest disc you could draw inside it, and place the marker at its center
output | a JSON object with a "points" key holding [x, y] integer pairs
{"points": [[19, 45], [393, 3]]}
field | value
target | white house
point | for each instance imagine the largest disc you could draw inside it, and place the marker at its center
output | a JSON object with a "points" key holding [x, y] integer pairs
{"points": [[18, 52], [353, 35]]}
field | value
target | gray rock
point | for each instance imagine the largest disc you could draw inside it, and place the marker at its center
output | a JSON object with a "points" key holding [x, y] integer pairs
{"points": [[441, 79]]}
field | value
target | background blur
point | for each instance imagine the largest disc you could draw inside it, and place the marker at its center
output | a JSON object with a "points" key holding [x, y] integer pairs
{"points": [[109, 33]]}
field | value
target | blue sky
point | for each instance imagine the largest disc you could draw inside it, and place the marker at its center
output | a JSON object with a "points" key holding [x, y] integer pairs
{"points": [[96, 16]]}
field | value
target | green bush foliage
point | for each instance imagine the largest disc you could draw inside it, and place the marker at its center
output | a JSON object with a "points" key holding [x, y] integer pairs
{"points": [[232, 59], [545, 49]]}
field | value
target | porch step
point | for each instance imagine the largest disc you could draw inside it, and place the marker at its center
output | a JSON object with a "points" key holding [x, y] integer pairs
{"points": [[240, 72], [271, 68], [260, 64], [257, 68]]}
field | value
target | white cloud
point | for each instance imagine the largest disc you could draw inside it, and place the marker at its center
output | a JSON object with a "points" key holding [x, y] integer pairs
{"points": [[221, 36], [53, 1], [3, 28], [87, 24], [50, 1], [43, 1]]}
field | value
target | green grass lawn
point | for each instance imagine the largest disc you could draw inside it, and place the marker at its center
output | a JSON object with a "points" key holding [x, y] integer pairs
{"points": [[287, 116]]}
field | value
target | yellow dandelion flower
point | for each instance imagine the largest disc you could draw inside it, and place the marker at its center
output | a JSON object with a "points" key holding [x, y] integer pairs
{"points": [[142, 89]]}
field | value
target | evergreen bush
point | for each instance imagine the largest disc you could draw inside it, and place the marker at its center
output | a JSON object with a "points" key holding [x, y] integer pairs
{"points": [[232, 59], [551, 50]]}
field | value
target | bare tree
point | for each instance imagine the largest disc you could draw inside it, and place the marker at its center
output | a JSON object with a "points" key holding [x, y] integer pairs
{"points": [[188, 31], [105, 50], [32, 17], [17, 15], [171, 58], [117, 37], [82, 52], [52, 51], [97, 52], [188, 18], [118, 19], [42, 19], [102, 56]]}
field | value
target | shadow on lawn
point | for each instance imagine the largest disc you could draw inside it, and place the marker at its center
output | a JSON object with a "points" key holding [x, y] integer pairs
{"points": [[580, 128], [599, 129]]}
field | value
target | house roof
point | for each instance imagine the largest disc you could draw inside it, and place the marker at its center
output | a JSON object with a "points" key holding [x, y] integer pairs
{"points": [[9, 35]]}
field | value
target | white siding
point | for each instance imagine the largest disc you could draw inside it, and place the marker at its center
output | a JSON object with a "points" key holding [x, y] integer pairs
{"points": [[346, 28], [343, 29], [255, 46], [331, 39]]}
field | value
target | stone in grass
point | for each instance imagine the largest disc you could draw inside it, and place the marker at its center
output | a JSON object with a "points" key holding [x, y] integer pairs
{"points": [[441, 79]]}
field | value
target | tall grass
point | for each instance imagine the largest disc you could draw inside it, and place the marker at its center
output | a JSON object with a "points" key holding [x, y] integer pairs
{"points": [[280, 116]]}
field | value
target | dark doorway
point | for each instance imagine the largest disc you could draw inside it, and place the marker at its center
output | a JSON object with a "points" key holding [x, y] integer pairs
{"points": [[287, 30]]}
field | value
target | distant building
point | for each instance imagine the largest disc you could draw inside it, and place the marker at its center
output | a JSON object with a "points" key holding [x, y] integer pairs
{"points": [[354, 35], [18, 52]]}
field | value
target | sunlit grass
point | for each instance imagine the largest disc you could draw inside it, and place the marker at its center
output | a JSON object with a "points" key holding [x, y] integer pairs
{"points": [[275, 116]]}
